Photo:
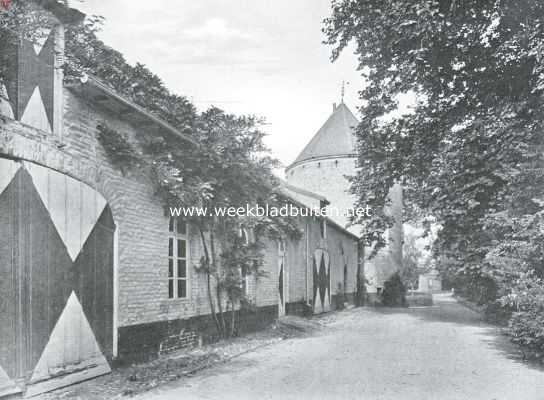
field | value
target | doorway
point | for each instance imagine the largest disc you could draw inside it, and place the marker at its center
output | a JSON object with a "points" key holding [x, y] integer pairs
{"points": [[56, 279]]}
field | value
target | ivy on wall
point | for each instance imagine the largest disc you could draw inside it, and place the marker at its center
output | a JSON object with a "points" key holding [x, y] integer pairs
{"points": [[119, 150], [229, 165]]}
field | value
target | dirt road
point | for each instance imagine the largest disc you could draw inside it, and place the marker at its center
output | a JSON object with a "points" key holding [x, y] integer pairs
{"points": [[444, 352]]}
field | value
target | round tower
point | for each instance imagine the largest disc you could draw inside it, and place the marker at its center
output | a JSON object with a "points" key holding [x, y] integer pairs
{"points": [[322, 168], [327, 159]]}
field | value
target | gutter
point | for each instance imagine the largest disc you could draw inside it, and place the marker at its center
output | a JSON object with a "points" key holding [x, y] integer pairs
{"points": [[130, 107]]}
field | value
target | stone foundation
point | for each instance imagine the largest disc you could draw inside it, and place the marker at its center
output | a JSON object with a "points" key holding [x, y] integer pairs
{"points": [[300, 308], [147, 341]]}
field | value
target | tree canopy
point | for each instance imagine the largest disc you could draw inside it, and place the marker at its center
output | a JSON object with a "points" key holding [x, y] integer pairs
{"points": [[470, 154]]}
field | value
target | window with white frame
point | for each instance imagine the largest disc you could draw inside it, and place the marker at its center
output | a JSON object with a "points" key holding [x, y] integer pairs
{"points": [[178, 273]]}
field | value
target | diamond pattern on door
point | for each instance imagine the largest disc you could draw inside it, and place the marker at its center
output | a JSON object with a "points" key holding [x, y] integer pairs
{"points": [[74, 208], [321, 281], [71, 346], [60, 329]]}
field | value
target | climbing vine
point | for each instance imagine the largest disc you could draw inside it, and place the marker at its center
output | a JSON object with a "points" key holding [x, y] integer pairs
{"points": [[119, 150], [229, 166]]}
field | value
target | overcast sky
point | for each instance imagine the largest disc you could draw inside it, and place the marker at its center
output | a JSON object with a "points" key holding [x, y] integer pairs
{"points": [[246, 56]]}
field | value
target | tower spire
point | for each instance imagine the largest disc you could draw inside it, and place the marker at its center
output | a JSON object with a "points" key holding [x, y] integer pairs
{"points": [[343, 92]]}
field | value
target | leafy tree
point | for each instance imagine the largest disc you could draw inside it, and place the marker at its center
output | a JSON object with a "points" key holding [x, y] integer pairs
{"points": [[411, 261], [470, 154], [232, 168], [394, 292]]}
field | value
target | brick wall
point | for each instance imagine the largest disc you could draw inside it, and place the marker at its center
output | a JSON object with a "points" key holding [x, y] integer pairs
{"points": [[148, 321], [142, 227], [141, 224]]}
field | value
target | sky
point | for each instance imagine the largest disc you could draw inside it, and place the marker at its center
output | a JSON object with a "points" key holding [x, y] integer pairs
{"points": [[258, 57]]}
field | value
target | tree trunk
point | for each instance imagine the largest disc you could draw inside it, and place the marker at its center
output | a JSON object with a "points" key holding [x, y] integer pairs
{"points": [[220, 311], [232, 320], [208, 280], [218, 286]]}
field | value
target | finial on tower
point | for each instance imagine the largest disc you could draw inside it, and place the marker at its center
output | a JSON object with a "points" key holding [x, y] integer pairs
{"points": [[343, 91]]}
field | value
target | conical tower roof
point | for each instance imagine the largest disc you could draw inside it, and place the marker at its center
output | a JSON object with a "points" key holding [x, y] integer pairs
{"points": [[335, 138]]}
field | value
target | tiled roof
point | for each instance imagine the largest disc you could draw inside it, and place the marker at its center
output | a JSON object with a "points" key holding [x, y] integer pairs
{"points": [[335, 138]]}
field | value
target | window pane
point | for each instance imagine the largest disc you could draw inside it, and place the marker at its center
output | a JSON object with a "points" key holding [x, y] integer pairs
{"points": [[181, 248], [171, 288], [182, 288], [181, 226], [170, 268], [171, 225], [182, 269], [170, 247]]}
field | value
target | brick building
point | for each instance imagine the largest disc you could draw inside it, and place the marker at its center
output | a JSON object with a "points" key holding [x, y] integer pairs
{"points": [[85, 247]]}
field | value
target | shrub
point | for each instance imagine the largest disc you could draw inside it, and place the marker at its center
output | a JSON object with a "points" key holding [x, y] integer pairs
{"points": [[526, 328], [496, 313], [526, 325], [476, 287], [394, 292]]}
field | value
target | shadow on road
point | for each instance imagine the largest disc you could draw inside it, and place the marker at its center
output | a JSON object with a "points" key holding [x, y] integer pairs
{"points": [[447, 310]]}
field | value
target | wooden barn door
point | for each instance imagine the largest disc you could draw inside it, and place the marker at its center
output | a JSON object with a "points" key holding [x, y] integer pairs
{"points": [[321, 281], [10, 326], [56, 269], [282, 288]]}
